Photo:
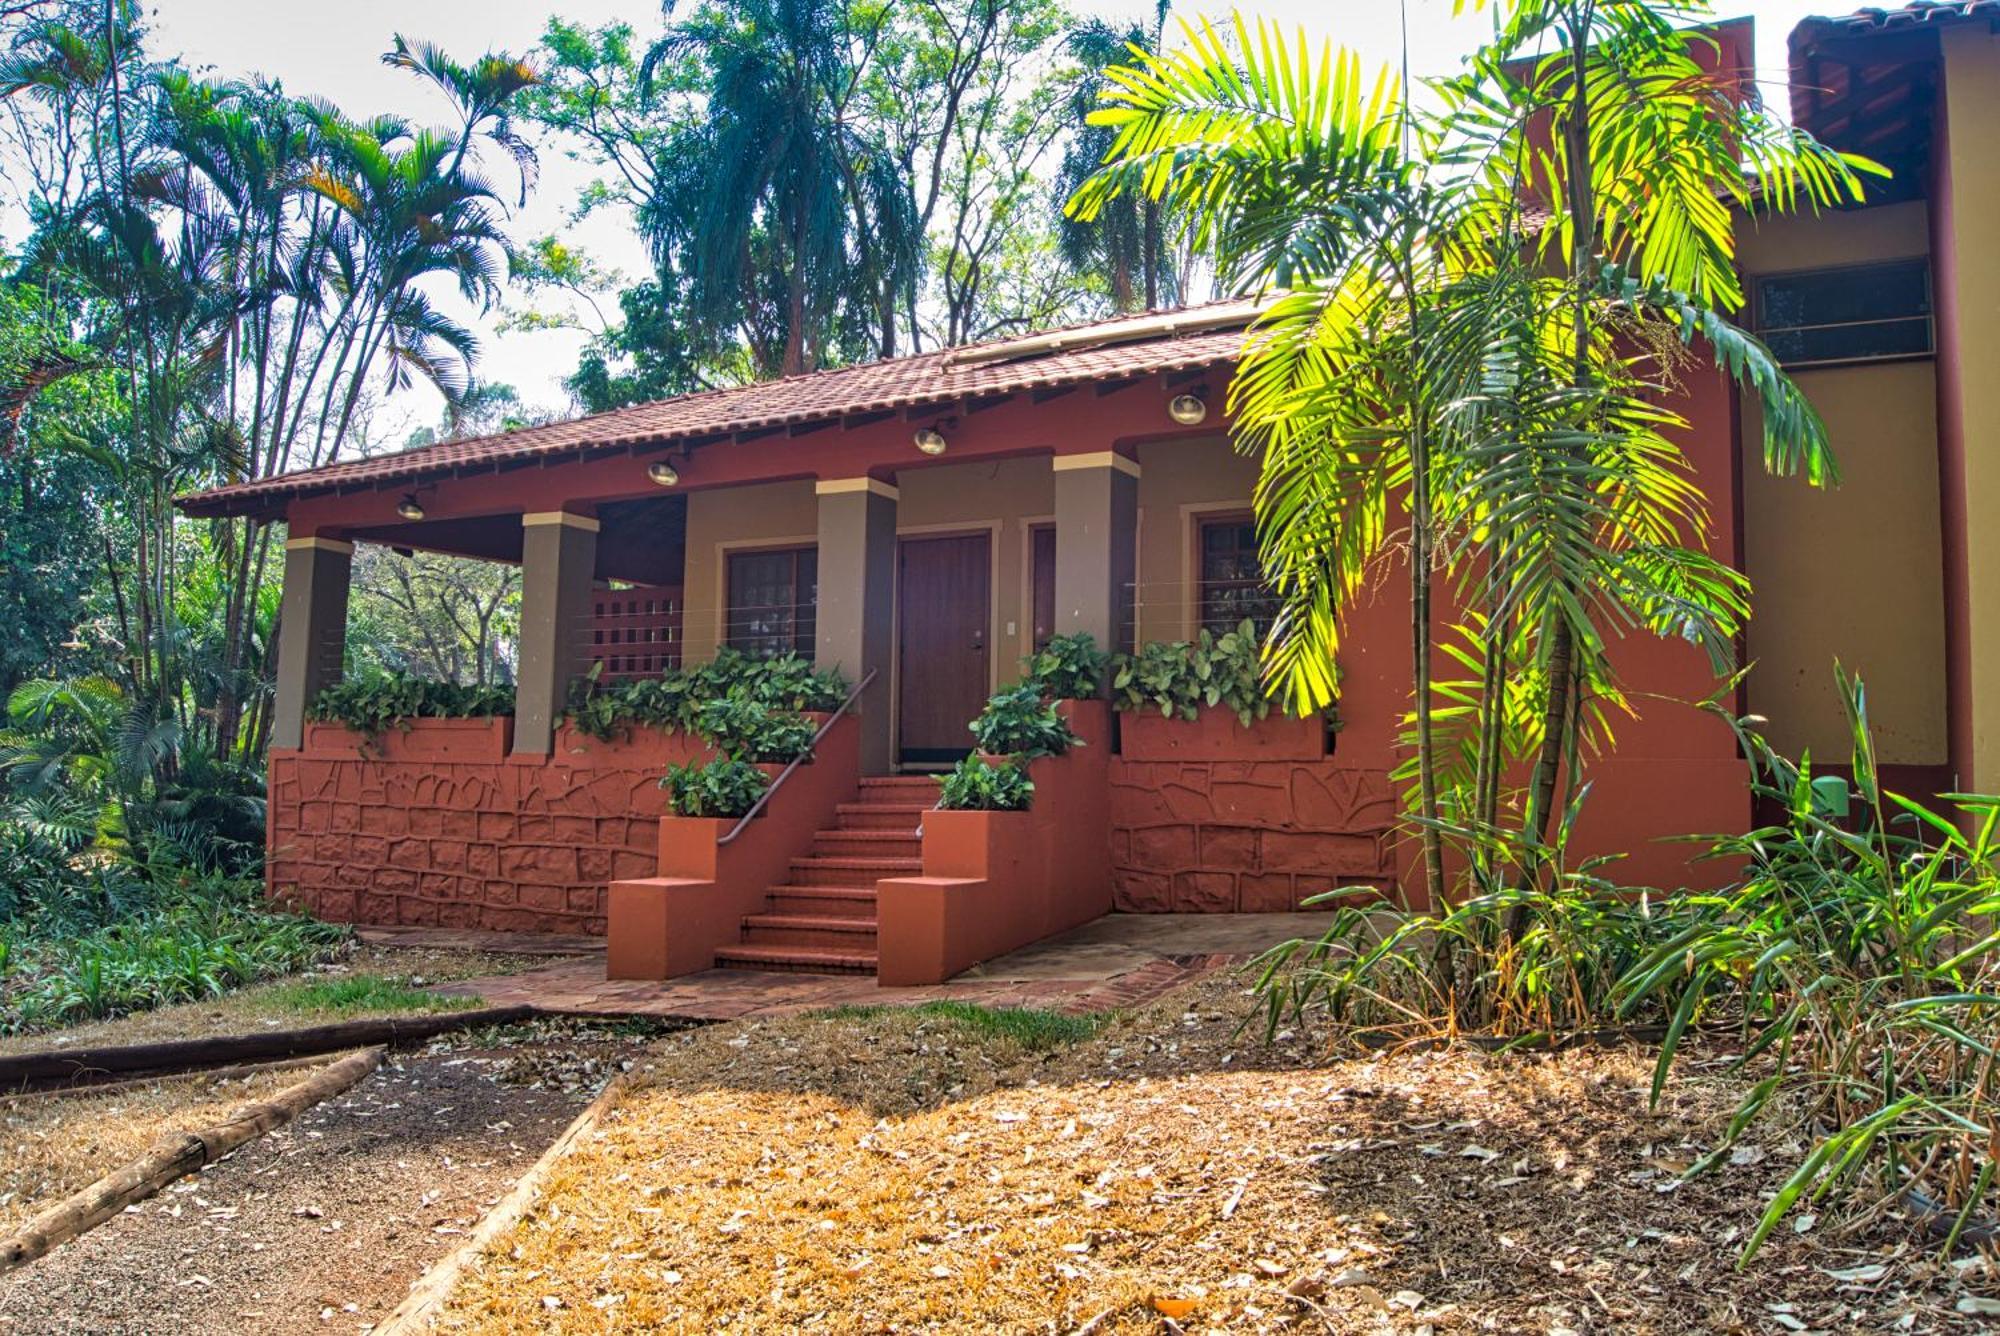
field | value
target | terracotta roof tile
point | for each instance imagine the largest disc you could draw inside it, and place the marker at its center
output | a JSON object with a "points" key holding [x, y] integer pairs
{"points": [[1127, 346], [1872, 20]]}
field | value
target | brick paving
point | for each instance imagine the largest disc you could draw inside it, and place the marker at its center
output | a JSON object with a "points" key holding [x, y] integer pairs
{"points": [[579, 987]]}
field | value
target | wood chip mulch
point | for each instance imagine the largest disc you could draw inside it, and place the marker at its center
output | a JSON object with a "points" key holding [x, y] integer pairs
{"points": [[901, 1172]]}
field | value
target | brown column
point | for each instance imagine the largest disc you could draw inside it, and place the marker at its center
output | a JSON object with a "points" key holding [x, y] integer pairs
{"points": [[1097, 524], [857, 592], [558, 561], [312, 631]]}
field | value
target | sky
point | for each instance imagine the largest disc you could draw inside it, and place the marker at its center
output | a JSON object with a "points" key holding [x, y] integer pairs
{"points": [[334, 50]]}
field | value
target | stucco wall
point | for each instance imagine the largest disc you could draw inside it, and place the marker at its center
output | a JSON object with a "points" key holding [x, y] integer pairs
{"points": [[1853, 573]]}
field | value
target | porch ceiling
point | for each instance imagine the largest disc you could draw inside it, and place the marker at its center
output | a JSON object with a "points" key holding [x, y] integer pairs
{"points": [[641, 542]]}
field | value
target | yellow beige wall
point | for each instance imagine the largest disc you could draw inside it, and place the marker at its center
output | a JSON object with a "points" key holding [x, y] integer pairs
{"points": [[1855, 572], [1180, 482]]}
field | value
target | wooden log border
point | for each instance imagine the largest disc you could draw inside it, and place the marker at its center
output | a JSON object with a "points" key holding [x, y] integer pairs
{"points": [[430, 1290], [175, 1156], [176, 1055]]}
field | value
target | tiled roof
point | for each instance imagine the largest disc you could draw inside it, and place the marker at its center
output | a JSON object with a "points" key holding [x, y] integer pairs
{"points": [[1921, 12], [1112, 349]]}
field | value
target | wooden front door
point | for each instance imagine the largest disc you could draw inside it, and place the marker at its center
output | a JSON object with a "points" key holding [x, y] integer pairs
{"points": [[943, 672]]}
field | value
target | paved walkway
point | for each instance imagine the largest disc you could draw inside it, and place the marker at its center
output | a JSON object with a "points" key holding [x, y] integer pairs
{"points": [[1121, 960]]}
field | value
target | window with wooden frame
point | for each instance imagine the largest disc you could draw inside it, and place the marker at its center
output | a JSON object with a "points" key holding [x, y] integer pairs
{"points": [[1230, 587], [771, 601]]}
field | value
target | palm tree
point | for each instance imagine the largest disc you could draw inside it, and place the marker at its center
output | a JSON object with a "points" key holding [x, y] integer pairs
{"points": [[776, 205], [1125, 241], [1418, 355]]}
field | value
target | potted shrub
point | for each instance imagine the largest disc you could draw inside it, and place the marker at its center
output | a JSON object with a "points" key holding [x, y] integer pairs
{"points": [[1204, 699], [409, 719]]}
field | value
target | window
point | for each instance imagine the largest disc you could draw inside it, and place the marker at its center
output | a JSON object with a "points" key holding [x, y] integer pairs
{"points": [[1856, 314], [1232, 584], [771, 601], [1042, 572]]}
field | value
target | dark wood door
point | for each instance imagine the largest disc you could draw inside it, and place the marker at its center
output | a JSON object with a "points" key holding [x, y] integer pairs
{"points": [[942, 663]]}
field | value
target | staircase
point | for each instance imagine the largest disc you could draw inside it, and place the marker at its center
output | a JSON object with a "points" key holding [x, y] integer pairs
{"points": [[822, 920]]}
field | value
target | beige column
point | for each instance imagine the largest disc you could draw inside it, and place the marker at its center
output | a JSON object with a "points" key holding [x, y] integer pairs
{"points": [[312, 630], [1097, 522], [558, 561], [857, 592], [1966, 289]]}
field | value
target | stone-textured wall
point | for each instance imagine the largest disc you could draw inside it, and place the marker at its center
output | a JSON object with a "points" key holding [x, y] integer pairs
{"points": [[1252, 836], [499, 845]]}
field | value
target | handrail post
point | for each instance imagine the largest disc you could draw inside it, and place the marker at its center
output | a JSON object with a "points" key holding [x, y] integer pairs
{"points": [[797, 761]]}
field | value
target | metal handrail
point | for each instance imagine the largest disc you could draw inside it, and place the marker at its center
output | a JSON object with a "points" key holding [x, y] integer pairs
{"points": [[757, 807]]}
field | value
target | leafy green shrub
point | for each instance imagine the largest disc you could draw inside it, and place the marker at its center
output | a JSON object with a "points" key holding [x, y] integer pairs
{"points": [[372, 703], [1859, 960], [1019, 722], [195, 941], [1177, 678], [744, 730], [1068, 668], [674, 701], [721, 788], [976, 785]]}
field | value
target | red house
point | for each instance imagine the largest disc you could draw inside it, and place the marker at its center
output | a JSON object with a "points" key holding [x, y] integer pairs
{"points": [[923, 523]]}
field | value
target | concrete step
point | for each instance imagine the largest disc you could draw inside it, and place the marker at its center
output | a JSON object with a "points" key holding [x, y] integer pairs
{"points": [[861, 872], [867, 844], [824, 901], [899, 789], [881, 816], [818, 931], [795, 960]]}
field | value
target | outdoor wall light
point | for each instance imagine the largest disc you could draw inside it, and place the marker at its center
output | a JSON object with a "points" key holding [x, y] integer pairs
{"points": [[930, 440], [408, 507], [1187, 409], [663, 473]]}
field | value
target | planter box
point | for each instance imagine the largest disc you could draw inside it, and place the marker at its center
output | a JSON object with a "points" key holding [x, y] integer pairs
{"points": [[1215, 735], [468, 741], [636, 749]]}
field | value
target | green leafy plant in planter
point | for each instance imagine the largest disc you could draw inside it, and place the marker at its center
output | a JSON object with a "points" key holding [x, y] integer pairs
{"points": [[1177, 678], [721, 788], [610, 712], [745, 730], [1068, 667], [978, 785], [1020, 722], [375, 702], [674, 701]]}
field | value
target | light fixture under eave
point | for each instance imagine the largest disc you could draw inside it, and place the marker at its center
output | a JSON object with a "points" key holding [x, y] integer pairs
{"points": [[1187, 409], [930, 440], [409, 509], [663, 473]]}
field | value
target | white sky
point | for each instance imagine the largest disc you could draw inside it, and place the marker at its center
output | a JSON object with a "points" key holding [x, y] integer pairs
{"points": [[334, 50]]}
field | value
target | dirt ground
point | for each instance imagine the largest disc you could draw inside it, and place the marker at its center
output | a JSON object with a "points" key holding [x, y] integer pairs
{"points": [[900, 1173], [322, 1225]]}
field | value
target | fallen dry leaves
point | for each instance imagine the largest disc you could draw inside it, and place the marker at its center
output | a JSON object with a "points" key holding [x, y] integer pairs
{"points": [[902, 1173]]}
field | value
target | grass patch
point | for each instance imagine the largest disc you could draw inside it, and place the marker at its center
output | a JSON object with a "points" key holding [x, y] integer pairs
{"points": [[356, 994], [1032, 1028]]}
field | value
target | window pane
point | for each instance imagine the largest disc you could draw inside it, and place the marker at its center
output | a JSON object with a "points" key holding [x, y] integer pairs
{"points": [[1879, 310], [1232, 580], [771, 597]]}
